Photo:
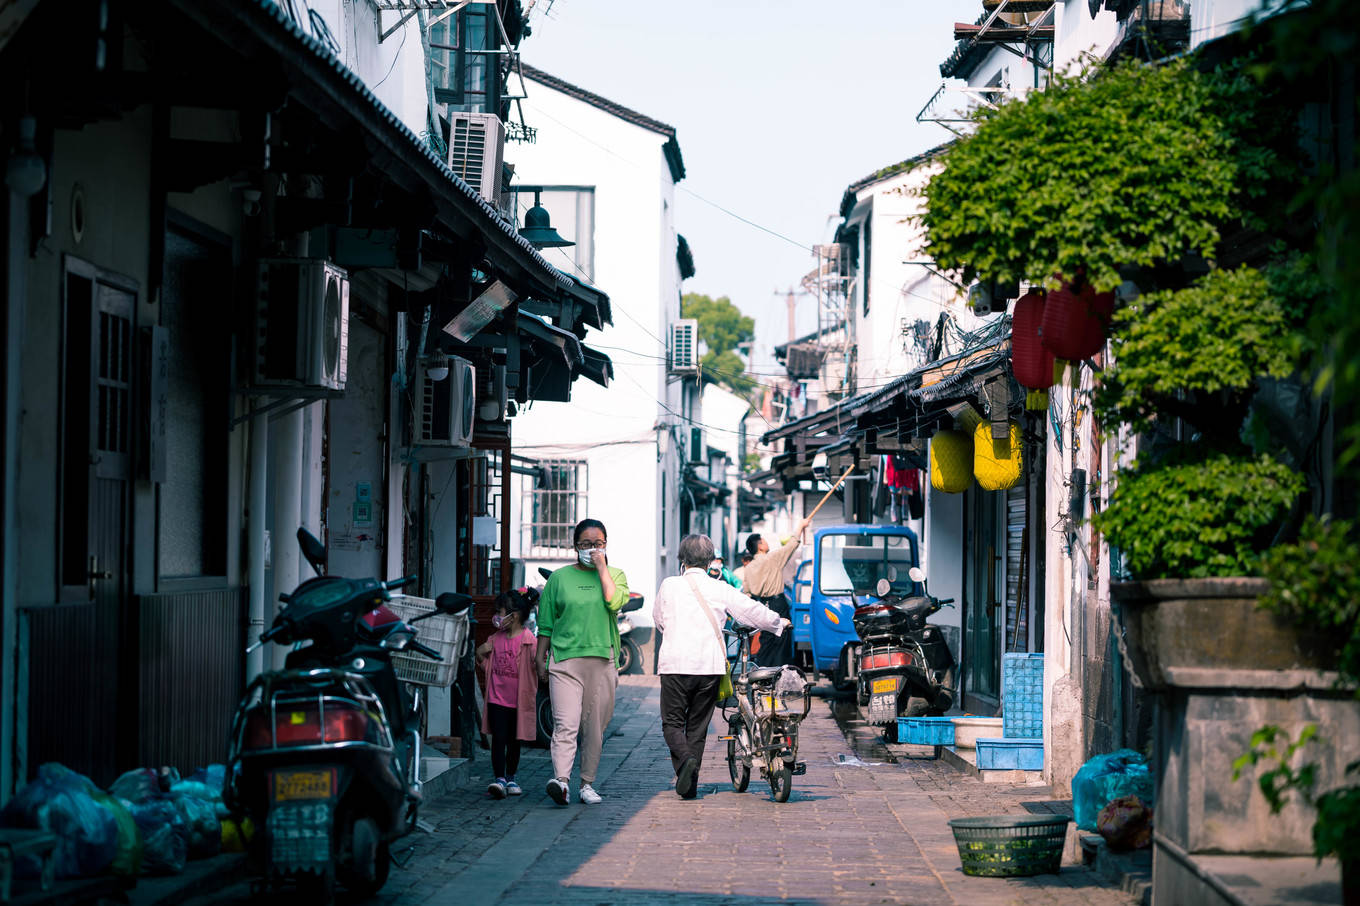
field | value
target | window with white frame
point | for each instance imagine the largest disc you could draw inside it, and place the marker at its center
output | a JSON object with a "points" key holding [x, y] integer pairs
{"points": [[571, 210], [558, 503]]}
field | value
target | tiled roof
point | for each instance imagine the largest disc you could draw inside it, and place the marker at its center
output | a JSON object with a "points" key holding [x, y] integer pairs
{"points": [[911, 163], [967, 54], [672, 147]]}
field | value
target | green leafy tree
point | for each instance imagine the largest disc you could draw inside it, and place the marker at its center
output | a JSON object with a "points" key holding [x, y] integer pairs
{"points": [[1137, 165], [723, 328]]}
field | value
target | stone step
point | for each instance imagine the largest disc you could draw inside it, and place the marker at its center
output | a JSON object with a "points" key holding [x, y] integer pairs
{"points": [[1132, 871], [440, 774]]}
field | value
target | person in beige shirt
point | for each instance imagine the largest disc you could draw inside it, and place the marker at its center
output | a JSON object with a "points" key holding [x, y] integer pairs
{"points": [[763, 579]]}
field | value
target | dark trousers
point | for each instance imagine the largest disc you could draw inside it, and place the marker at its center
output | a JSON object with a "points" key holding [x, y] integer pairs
{"points": [[504, 742], [687, 703], [775, 650]]}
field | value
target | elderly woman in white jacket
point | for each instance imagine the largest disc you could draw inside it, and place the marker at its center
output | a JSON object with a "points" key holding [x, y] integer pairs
{"points": [[690, 610]]}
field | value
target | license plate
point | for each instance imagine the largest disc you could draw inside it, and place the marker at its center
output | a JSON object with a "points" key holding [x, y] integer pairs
{"points": [[882, 707], [291, 785], [884, 685]]}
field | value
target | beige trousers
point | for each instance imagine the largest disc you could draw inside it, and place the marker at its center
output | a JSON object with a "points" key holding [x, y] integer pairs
{"points": [[582, 690]]}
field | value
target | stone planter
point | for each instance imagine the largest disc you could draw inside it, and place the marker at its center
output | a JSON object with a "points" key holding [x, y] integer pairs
{"points": [[1184, 633], [1222, 668]]}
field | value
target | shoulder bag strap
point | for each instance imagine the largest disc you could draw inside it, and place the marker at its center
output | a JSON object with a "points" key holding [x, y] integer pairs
{"points": [[708, 611]]}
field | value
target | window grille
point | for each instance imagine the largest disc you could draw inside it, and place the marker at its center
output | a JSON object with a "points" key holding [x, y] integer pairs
{"points": [[558, 503]]}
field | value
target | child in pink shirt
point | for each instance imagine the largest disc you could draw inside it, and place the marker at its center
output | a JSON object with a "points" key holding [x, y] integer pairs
{"points": [[511, 687]]}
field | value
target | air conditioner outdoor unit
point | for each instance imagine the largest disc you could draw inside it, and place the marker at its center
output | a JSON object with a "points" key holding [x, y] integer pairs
{"points": [[685, 346], [301, 324], [476, 146], [445, 409]]}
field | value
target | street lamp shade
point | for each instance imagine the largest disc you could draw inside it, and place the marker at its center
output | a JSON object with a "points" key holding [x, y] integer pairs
{"points": [[538, 230]]}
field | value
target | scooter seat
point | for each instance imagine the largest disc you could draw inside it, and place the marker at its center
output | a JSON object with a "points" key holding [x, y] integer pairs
{"points": [[763, 674]]}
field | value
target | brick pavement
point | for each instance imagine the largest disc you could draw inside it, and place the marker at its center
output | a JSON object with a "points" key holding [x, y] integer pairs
{"points": [[847, 835]]}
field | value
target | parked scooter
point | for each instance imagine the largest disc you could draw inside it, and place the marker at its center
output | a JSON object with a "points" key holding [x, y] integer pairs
{"points": [[325, 753], [905, 667]]}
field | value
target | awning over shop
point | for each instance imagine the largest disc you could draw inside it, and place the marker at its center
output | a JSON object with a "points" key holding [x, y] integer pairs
{"points": [[540, 333], [259, 29], [890, 417], [596, 365], [704, 490]]}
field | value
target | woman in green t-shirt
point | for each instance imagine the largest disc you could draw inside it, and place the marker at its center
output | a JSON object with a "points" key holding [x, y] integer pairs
{"points": [[578, 627]]}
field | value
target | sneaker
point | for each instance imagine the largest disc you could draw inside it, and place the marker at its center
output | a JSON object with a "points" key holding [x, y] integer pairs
{"points": [[687, 778], [512, 789], [559, 790], [589, 796], [496, 789]]}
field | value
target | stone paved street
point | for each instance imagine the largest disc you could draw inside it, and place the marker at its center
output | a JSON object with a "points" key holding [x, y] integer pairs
{"points": [[848, 834]]}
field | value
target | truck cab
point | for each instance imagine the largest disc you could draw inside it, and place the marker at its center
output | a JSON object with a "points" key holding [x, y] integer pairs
{"points": [[846, 563]]}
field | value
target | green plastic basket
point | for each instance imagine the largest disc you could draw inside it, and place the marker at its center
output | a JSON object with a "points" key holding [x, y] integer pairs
{"points": [[1009, 846]]}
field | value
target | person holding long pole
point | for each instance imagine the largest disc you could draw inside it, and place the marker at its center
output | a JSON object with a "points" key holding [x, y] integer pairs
{"points": [[764, 581]]}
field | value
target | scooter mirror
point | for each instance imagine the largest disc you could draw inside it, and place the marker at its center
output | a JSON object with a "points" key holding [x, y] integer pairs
{"points": [[917, 574], [452, 602], [544, 572], [312, 549], [883, 587]]}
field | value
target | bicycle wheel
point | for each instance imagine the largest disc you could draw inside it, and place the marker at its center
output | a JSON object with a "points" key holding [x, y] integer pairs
{"points": [[738, 763], [781, 782]]}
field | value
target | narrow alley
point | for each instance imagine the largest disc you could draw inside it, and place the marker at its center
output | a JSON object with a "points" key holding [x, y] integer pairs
{"points": [[847, 835]]}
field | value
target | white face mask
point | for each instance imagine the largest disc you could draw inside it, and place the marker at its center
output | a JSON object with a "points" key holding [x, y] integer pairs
{"points": [[587, 557]]}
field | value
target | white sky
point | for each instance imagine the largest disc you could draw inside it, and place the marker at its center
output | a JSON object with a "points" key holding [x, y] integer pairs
{"points": [[777, 108]]}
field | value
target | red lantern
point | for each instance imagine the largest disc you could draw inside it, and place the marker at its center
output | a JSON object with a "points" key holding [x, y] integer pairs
{"points": [[1031, 363], [1073, 325]]}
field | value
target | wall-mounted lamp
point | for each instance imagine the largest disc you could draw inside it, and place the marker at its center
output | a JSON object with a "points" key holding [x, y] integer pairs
{"points": [[25, 172], [538, 229], [437, 368]]}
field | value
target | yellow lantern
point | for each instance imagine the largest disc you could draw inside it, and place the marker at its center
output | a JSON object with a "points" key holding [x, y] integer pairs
{"points": [[996, 461], [951, 461]]}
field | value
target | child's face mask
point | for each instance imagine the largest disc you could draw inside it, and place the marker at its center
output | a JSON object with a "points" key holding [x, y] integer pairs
{"points": [[500, 620]]}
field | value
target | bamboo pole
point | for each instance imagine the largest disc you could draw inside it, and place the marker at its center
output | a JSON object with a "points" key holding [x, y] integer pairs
{"points": [[827, 495]]}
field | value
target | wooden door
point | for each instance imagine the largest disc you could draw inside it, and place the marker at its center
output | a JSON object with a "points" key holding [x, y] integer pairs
{"points": [[76, 716]]}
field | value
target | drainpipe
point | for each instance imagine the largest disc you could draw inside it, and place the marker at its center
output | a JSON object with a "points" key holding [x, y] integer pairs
{"points": [[257, 507], [286, 439], [15, 291]]}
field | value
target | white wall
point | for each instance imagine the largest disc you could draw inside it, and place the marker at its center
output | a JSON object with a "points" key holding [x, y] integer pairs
{"points": [[1210, 19], [612, 429], [1077, 33], [899, 291]]}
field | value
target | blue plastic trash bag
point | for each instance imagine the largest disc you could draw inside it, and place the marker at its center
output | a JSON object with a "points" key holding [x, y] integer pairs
{"points": [[213, 776], [198, 803], [128, 862], [165, 835], [62, 802], [1106, 778], [137, 785]]}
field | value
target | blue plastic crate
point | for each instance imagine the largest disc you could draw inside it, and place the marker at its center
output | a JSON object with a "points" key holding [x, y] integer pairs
{"points": [[926, 731], [1022, 696], [1001, 754]]}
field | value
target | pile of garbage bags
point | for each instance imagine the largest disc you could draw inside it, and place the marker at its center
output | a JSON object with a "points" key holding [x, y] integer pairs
{"points": [[1113, 795], [148, 822]]}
